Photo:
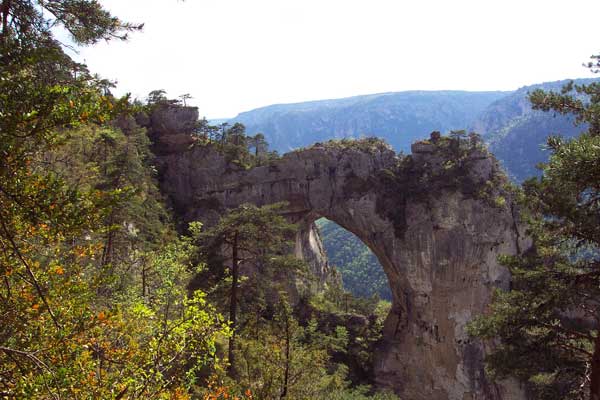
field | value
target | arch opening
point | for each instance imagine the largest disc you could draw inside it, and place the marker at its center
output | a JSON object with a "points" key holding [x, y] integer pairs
{"points": [[361, 272]]}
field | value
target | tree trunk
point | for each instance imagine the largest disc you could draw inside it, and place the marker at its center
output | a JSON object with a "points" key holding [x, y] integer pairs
{"points": [[144, 280], [108, 246], [5, 11], [595, 374], [286, 375], [233, 303]]}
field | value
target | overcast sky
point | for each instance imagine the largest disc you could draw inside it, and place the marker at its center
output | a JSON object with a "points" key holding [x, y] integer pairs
{"points": [[235, 55]]}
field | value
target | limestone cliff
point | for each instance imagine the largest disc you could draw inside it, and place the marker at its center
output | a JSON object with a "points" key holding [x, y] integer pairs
{"points": [[171, 128], [437, 220]]}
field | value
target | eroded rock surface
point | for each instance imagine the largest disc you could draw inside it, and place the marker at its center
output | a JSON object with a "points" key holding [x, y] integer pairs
{"points": [[437, 220]]}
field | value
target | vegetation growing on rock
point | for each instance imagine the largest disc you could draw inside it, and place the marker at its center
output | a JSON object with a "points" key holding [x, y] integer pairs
{"points": [[439, 164], [368, 145]]}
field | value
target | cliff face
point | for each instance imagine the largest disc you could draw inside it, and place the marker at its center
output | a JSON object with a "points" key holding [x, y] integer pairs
{"points": [[400, 117], [517, 134], [437, 220]]}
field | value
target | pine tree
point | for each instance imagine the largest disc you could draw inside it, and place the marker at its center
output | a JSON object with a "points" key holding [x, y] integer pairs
{"points": [[246, 236], [548, 323]]}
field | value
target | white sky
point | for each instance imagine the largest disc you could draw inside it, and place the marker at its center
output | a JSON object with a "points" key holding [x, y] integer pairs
{"points": [[235, 55]]}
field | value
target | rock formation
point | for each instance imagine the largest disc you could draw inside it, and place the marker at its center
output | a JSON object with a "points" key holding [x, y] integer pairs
{"points": [[437, 220]]}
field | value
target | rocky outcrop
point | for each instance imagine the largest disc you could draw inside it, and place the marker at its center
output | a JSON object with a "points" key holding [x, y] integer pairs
{"points": [[171, 127], [437, 221]]}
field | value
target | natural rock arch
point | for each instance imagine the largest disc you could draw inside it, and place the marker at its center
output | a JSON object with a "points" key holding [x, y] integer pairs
{"points": [[437, 220]]}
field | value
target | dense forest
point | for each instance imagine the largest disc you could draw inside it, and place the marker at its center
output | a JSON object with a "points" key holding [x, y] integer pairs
{"points": [[362, 275], [105, 293]]}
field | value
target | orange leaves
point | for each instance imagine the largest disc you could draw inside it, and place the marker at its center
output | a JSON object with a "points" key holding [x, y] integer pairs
{"points": [[101, 316], [27, 295], [89, 380], [58, 270], [80, 251], [220, 392], [179, 394], [40, 228], [87, 250]]}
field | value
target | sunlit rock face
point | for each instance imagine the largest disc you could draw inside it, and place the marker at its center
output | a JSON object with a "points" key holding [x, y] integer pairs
{"points": [[437, 220]]}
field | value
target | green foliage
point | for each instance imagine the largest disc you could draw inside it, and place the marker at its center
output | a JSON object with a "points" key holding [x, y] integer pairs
{"points": [[277, 354], [283, 347], [106, 300], [362, 321], [252, 238], [261, 234], [90, 306], [87, 21], [580, 101], [359, 393], [96, 159], [516, 133], [95, 299], [312, 356], [241, 150], [369, 145], [548, 321], [540, 340]]}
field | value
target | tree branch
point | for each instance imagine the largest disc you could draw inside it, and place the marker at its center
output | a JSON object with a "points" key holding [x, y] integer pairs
{"points": [[35, 282]]}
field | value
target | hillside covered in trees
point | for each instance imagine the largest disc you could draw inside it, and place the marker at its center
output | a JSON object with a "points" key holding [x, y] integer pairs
{"points": [[108, 292]]}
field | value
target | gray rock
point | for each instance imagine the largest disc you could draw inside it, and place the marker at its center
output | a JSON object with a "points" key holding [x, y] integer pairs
{"points": [[173, 119], [437, 242]]}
